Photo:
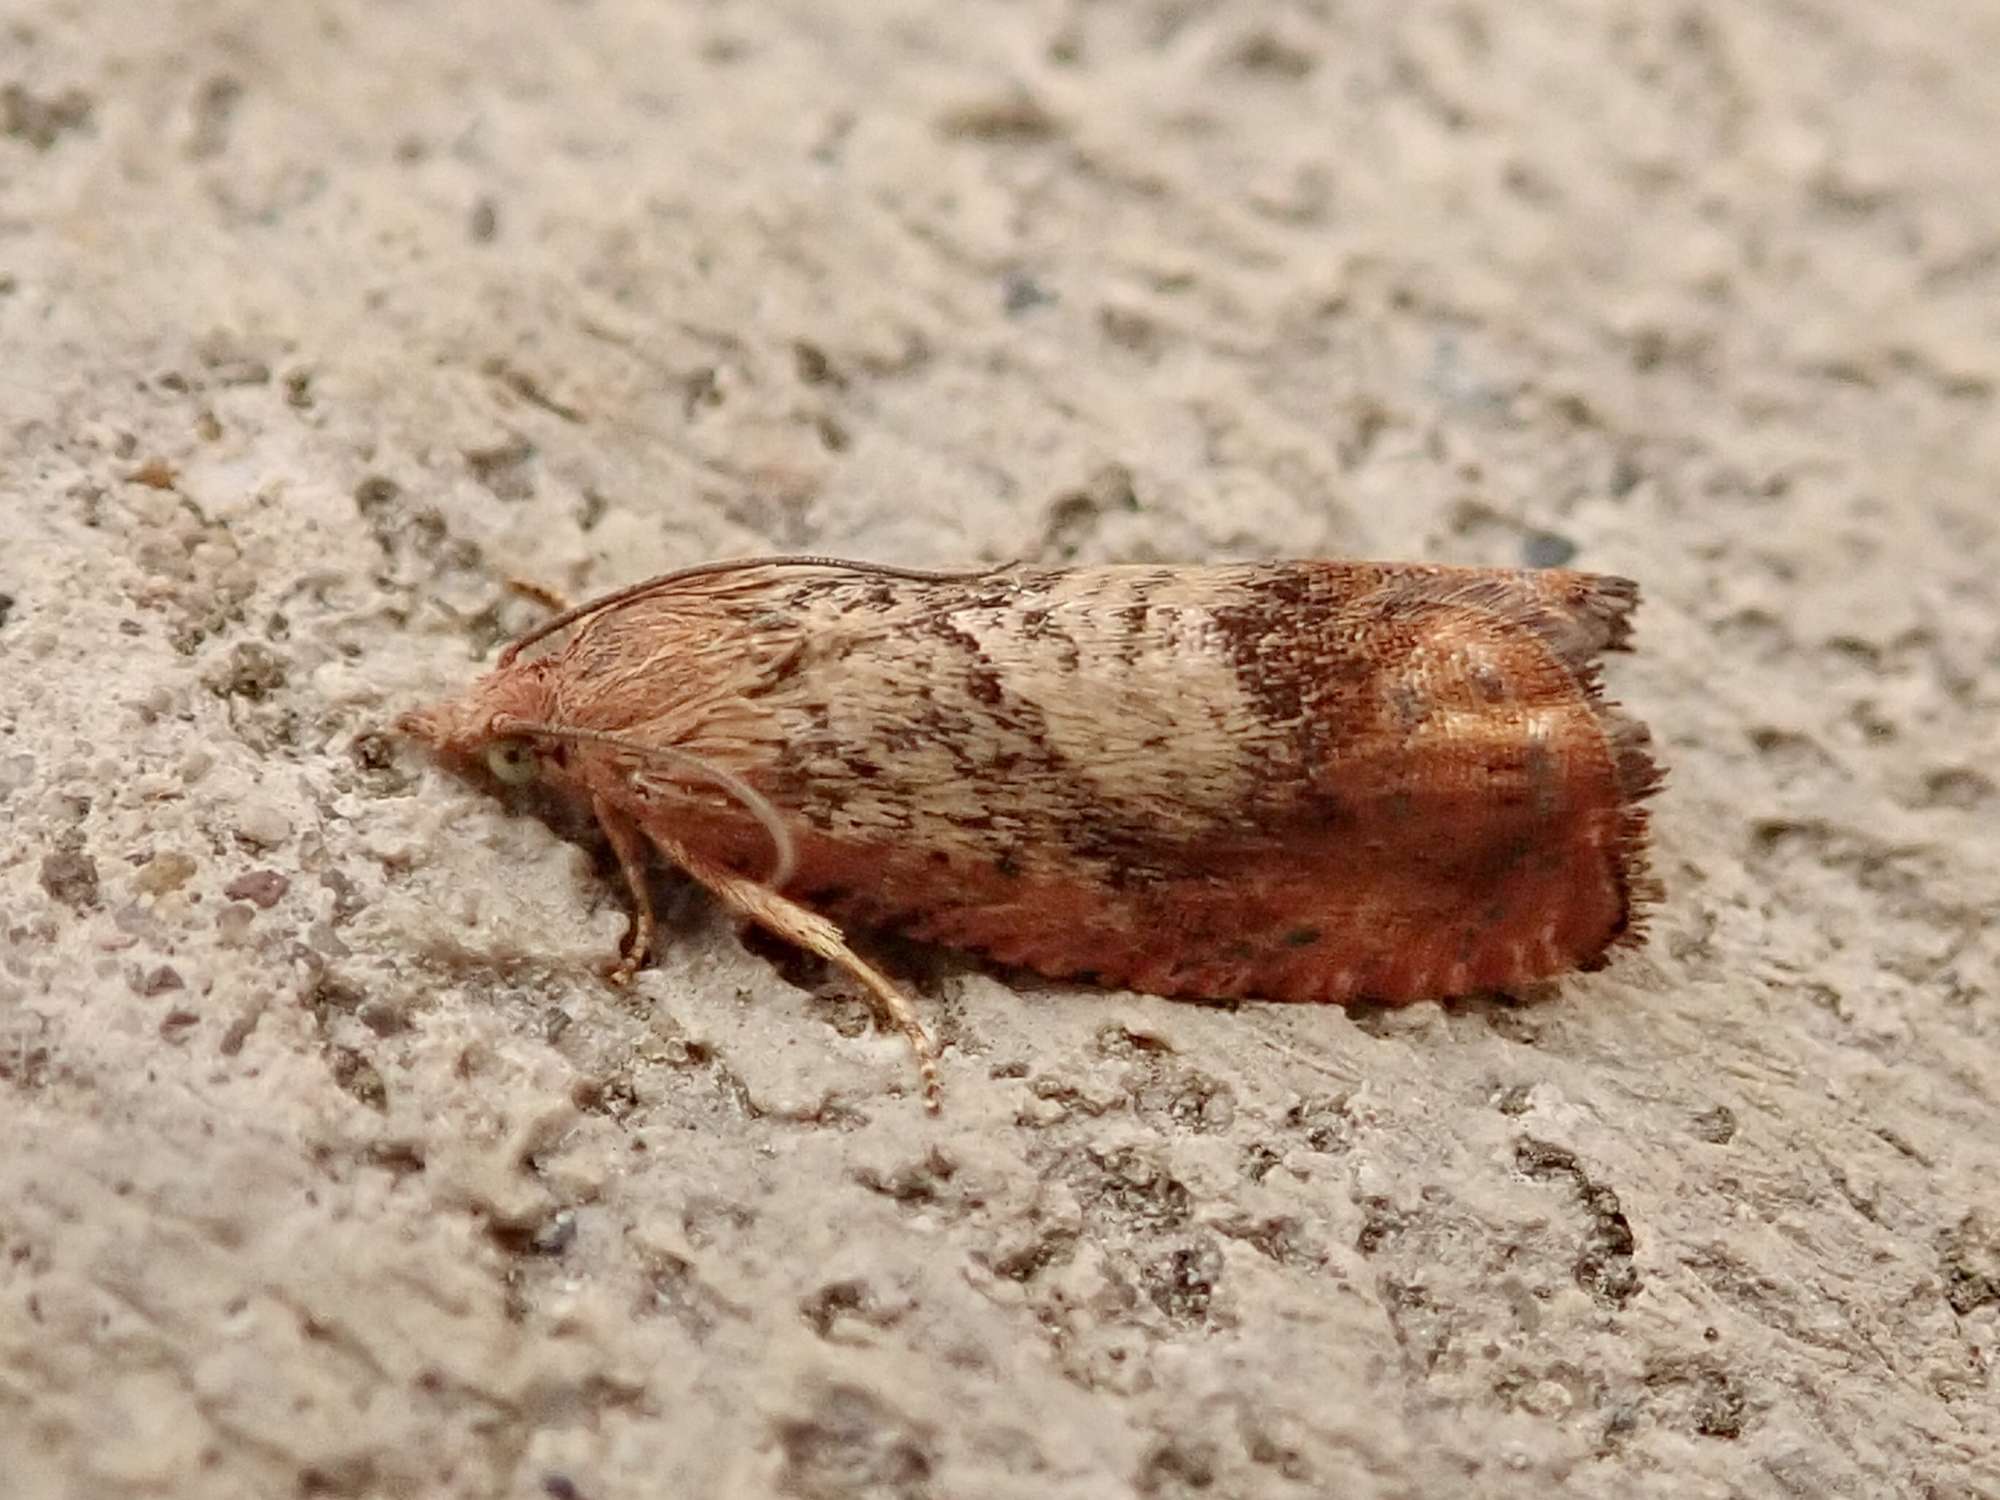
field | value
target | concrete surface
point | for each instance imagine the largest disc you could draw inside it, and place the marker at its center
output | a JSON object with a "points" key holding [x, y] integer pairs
{"points": [[330, 1168]]}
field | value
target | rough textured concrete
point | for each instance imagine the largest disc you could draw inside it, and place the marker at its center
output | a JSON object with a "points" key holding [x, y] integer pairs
{"points": [[330, 1168]]}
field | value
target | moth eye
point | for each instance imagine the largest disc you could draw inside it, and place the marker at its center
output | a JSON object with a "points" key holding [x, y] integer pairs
{"points": [[513, 761]]}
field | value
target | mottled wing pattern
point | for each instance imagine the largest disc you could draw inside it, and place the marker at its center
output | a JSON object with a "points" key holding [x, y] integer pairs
{"points": [[1308, 781]]}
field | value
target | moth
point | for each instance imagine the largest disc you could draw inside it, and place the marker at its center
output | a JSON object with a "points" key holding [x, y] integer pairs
{"points": [[1302, 781]]}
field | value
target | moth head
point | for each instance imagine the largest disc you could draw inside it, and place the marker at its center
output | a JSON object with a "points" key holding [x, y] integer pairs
{"points": [[507, 730], [485, 732]]}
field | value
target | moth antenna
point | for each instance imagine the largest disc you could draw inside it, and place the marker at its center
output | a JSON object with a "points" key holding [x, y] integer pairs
{"points": [[754, 802], [619, 597]]}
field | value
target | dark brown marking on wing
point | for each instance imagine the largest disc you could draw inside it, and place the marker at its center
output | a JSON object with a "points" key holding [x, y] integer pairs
{"points": [[1038, 624], [1298, 644], [974, 667]]}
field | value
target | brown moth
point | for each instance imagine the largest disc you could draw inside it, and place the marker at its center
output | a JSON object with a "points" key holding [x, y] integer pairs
{"points": [[1317, 781]]}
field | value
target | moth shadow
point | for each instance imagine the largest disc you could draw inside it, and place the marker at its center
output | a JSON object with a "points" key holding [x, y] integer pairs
{"points": [[1506, 1012], [918, 968]]}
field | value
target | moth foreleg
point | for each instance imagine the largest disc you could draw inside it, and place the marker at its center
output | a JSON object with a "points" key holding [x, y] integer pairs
{"points": [[787, 919], [629, 844]]}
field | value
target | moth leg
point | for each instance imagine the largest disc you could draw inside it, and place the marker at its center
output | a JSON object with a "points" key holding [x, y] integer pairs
{"points": [[629, 844], [809, 930], [553, 600]]}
